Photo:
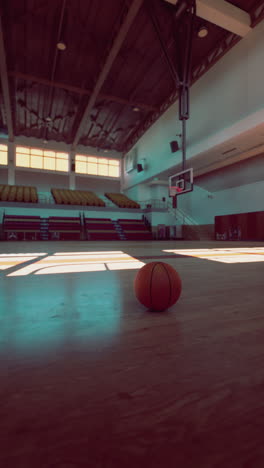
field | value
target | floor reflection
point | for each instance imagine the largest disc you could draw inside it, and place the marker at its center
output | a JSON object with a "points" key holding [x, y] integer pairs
{"points": [[38, 313]]}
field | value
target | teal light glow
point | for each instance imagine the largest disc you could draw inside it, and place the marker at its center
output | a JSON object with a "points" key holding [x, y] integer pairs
{"points": [[42, 313]]}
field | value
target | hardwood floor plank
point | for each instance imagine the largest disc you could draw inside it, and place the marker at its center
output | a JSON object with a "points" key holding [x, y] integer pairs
{"points": [[89, 378]]}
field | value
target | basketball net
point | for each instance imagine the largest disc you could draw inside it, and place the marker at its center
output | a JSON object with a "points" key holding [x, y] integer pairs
{"points": [[174, 189]]}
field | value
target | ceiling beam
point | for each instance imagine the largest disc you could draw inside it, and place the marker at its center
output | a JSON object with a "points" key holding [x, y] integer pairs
{"points": [[218, 164], [257, 13], [118, 42], [223, 14], [5, 85], [81, 91]]}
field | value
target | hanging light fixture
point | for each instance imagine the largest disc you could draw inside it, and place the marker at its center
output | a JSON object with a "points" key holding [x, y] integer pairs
{"points": [[202, 31], [61, 45]]}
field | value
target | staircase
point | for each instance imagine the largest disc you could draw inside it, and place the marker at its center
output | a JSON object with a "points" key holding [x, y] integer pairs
{"points": [[107, 201], [119, 230], [44, 229], [181, 216]]}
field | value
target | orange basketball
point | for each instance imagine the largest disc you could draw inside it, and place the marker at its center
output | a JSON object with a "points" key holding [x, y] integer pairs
{"points": [[157, 286]]}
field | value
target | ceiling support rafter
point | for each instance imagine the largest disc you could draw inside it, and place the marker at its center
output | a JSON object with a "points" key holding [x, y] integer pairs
{"points": [[118, 42], [49, 99], [81, 91], [5, 85], [223, 14], [155, 23], [257, 13]]}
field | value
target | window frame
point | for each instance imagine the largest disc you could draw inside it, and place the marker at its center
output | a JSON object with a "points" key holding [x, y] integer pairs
{"points": [[34, 152], [96, 163], [3, 151]]}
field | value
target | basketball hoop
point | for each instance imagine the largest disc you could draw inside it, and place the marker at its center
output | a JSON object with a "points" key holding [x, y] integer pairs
{"points": [[181, 183], [174, 190]]}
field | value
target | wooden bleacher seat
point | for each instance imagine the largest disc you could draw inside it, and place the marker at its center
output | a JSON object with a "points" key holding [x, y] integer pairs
{"points": [[21, 227], [64, 228], [121, 200], [135, 229], [76, 197], [18, 193], [100, 229]]}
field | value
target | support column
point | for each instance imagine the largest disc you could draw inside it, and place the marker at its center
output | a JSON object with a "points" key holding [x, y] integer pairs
{"points": [[122, 174], [72, 171], [11, 163]]}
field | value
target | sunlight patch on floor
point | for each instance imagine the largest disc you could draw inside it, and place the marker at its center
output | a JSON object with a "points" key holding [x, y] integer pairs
{"points": [[224, 255], [11, 260], [74, 262], [69, 269]]}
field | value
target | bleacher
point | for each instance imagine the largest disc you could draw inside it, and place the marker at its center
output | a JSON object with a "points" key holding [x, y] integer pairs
{"points": [[15, 193], [76, 197], [18, 193], [135, 229], [121, 200], [21, 227], [100, 229], [64, 228], [80, 227]]}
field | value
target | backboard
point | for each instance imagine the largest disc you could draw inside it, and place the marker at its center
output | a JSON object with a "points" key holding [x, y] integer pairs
{"points": [[180, 183]]}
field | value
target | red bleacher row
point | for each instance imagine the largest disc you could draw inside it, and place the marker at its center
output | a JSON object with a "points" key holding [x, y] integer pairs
{"points": [[73, 228], [100, 229], [135, 229], [21, 227], [62, 228]]}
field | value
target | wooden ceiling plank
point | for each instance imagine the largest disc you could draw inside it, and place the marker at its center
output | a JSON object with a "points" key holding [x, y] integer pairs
{"points": [[119, 40], [5, 85], [81, 91], [29, 14]]}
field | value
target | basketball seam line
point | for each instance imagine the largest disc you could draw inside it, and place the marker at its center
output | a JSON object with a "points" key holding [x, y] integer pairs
{"points": [[150, 286], [170, 286]]}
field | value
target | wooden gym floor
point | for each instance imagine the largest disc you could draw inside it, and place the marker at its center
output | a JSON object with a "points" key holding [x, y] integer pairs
{"points": [[89, 378]]}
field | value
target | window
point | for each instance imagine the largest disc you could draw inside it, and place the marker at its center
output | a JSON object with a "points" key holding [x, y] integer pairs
{"points": [[96, 166], [3, 154], [37, 158]]}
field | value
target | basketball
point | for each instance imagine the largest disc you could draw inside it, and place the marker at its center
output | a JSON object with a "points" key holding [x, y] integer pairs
{"points": [[157, 286]]}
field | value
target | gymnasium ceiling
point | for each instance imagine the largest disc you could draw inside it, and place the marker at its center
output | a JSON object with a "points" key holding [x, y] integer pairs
{"points": [[112, 81]]}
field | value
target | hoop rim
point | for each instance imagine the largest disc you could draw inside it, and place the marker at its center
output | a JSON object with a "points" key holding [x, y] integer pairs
{"points": [[174, 190]]}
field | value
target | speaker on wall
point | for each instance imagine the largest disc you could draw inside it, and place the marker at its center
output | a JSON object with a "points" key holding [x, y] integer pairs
{"points": [[73, 167], [139, 167], [174, 146]]}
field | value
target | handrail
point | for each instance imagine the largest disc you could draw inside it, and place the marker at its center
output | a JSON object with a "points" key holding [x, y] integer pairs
{"points": [[185, 219], [46, 199], [153, 203]]}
